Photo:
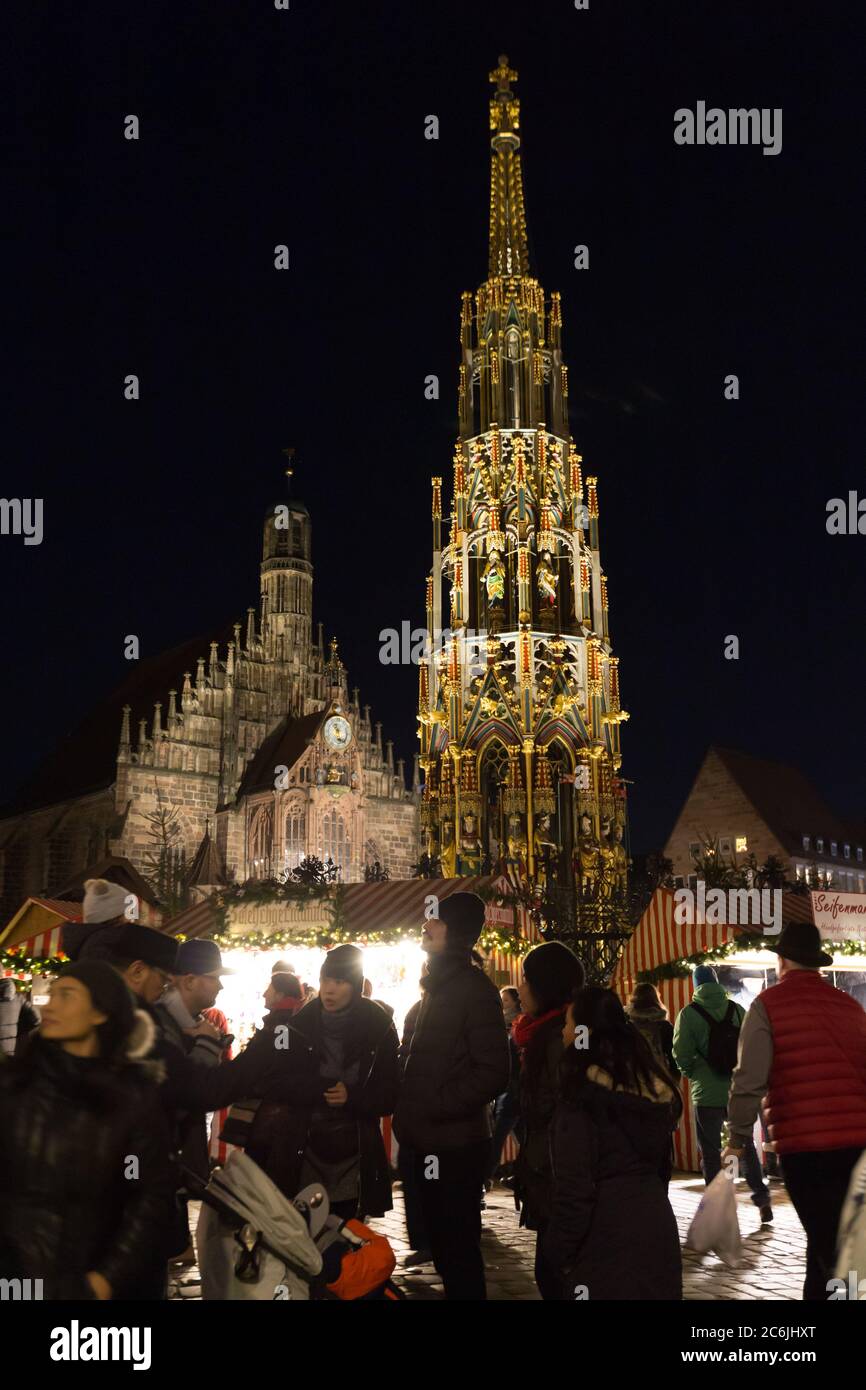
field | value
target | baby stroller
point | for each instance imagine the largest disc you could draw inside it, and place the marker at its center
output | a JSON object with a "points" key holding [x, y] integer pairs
{"points": [[254, 1243]]}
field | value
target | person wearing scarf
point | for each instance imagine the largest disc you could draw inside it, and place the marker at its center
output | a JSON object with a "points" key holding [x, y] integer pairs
{"points": [[551, 973], [319, 1120]]}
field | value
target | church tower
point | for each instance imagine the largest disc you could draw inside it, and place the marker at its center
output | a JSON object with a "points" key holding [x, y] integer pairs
{"points": [[519, 703], [287, 576]]}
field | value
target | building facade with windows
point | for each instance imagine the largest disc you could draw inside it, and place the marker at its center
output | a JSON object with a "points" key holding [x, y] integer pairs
{"points": [[744, 806]]}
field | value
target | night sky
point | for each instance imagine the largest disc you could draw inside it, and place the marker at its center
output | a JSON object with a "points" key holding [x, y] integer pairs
{"points": [[306, 127]]}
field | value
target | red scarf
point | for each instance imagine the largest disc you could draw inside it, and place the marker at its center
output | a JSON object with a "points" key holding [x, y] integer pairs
{"points": [[287, 1002], [524, 1028]]}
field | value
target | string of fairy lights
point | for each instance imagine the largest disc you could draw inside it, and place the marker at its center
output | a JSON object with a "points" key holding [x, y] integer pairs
{"points": [[334, 931]]}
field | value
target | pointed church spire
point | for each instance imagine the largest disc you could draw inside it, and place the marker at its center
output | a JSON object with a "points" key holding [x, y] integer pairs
{"points": [[124, 733], [509, 251]]}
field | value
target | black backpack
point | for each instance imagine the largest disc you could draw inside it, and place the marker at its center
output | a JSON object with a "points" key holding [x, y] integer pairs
{"points": [[724, 1036]]}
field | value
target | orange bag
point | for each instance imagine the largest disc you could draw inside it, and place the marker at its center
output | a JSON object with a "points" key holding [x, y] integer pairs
{"points": [[367, 1263]]}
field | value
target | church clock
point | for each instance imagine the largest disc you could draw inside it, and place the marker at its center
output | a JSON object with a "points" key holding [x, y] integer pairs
{"points": [[337, 732]]}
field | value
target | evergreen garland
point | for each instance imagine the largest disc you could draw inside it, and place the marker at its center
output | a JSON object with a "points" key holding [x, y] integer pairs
{"points": [[745, 941]]}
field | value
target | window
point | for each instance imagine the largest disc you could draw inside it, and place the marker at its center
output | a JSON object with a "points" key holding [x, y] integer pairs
{"points": [[807, 843], [693, 881], [834, 848], [859, 855], [261, 836], [694, 850], [742, 844], [296, 836], [725, 846], [846, 850], [335, 840], [819, 845], [798, 870]]}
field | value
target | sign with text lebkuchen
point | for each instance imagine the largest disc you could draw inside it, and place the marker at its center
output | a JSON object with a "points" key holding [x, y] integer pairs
{"points": [[840, 916]]}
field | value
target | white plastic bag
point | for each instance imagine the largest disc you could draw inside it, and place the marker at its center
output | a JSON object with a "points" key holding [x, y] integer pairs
{"points": [[852, 1231], [714, 1224]]}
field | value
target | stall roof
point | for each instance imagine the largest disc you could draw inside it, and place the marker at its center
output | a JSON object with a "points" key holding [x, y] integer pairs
{"points": [[35, 929], [367, 906], [659, 939]]}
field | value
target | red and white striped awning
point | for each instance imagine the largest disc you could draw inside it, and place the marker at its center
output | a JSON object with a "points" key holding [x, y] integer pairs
{"points": [[46, 943], [659, 939]]}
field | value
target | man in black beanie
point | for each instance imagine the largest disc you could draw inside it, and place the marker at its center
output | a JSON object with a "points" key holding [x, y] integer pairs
{"points": [[457, 1064]]}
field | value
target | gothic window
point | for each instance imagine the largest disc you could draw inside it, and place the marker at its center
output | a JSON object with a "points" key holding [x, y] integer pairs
{"points": [[512, 349], [494, 777], [59, 856], [372, 853], [297, 538], [261, 837], [296, 836], [335, 840]]}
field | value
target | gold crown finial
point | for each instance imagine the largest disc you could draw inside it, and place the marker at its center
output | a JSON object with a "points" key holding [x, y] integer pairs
{"points": [[503, 76]]}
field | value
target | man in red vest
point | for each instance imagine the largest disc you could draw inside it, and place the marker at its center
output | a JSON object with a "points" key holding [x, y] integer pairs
{"points": [[803, 1046]]}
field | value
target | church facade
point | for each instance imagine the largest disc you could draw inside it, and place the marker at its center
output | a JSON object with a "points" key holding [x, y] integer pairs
{"points": [[257, 757], [519, 701]]}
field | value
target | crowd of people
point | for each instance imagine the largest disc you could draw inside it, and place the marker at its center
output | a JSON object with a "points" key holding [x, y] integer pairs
{"points": [[103, 1106]]}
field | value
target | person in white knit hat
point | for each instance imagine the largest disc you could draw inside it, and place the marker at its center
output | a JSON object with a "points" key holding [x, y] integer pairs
{"points": [[104, 901]]}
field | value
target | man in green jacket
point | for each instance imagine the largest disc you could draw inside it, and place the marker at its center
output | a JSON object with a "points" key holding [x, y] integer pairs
{"points": [[710, 1088]]}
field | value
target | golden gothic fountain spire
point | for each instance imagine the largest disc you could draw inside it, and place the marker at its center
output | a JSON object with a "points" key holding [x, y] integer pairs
{"points": [[519, 709], [509, 254]]}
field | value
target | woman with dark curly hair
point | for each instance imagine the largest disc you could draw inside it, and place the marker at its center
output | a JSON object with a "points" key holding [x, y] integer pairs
{"points": [[612, 1233]]}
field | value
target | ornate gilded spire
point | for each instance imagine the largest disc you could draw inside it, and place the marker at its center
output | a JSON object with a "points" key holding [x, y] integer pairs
{"points": [[509, 253]]}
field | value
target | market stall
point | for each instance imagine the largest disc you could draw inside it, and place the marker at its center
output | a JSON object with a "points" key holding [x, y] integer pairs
{"points": [[258, 924], [665, 952]]}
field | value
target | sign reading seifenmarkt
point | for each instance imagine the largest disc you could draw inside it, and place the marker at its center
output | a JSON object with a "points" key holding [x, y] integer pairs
{"points": [[840, 916]]}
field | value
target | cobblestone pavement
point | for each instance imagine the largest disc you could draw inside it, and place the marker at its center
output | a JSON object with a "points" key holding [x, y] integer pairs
{"points": [[772, 1267]]}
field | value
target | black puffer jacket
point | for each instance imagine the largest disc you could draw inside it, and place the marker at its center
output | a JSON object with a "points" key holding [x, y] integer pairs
{"points": [[539, 1095], [458, 1059], [282, 1123], [69, 1127], [612, 1229]]}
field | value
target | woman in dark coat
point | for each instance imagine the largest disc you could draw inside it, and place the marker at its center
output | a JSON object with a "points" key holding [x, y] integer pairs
{"points": [[649, 1015], [319, 1120], [612, 1233], [551, 974], [86, 1186]]}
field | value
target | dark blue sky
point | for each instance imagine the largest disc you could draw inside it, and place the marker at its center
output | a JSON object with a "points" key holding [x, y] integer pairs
{"points": [[307, 127]]}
